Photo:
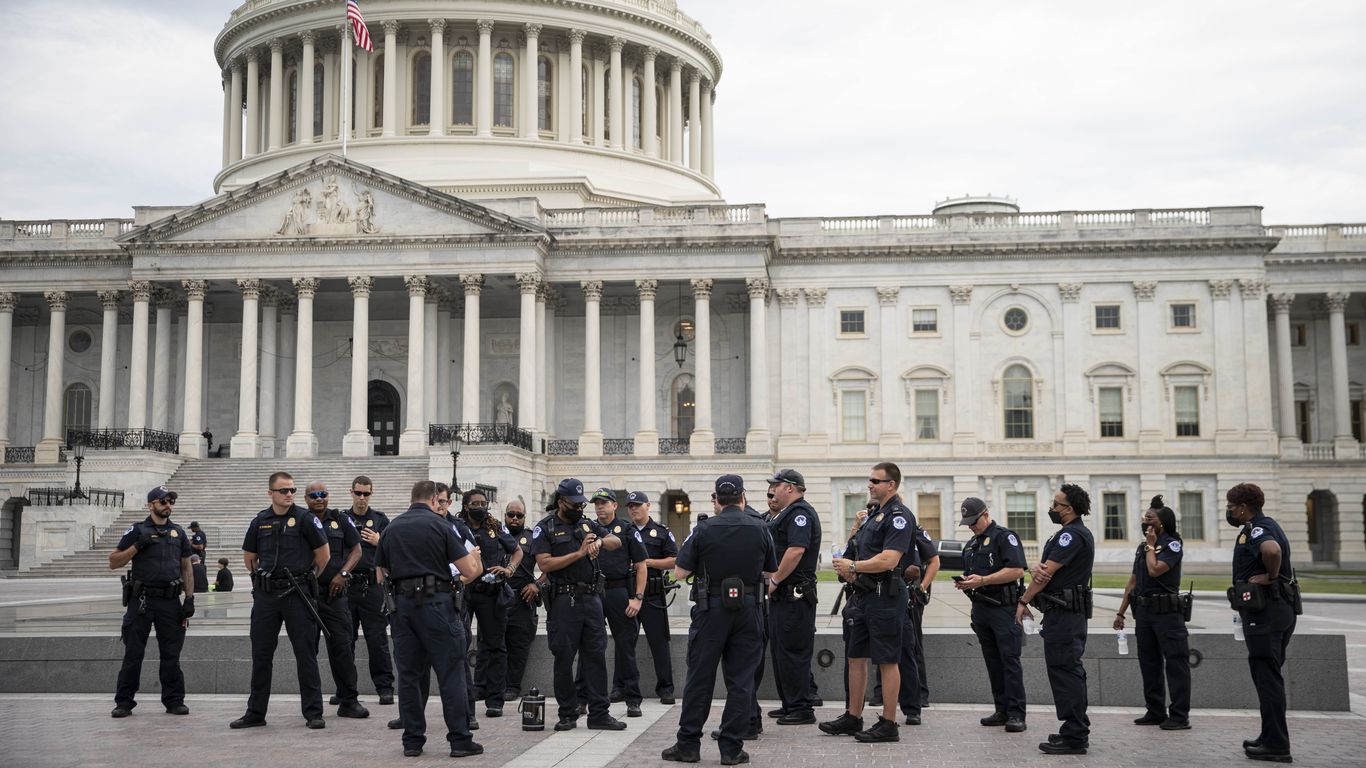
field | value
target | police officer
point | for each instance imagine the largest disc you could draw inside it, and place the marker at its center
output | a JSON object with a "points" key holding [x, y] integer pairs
{"points": [[796, 532], [488, 599], [198, 541], [928, 553], [730, 553], [160, 553], [282, 546], [1261, 558], [565, 545], [993, 565], [365, 600], [1159, 624], [414, 559], [877, 606], [1060, 586], [624, 575], [911, 566], [661, 552], [343, 544], [522, 615]]}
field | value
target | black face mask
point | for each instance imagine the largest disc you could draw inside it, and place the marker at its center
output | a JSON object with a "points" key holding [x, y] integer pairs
{"points": [[1055, 516], [1147, 527], [1233, 520], [573, 514], [477, 514]]}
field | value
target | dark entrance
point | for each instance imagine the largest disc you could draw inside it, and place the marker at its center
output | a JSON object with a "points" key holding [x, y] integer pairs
{"points": [[675, 511], [382, 413], [1321, 509]]}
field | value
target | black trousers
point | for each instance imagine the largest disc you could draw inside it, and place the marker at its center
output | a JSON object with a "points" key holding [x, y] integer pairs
{"points": [[268, 612], [1164, 656], [337, 618], [491, 659], [1267, 634], [734, 639], [164, 614], [367, 613], [625, 632], [918, 627], [654, 617], [1064, 642], [792, 637], [428, 635], [575, 629], [1001, 640], [522, 619]]}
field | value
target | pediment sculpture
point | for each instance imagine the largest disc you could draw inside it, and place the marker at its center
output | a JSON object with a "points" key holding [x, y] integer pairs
{"points": [[331, 214]]}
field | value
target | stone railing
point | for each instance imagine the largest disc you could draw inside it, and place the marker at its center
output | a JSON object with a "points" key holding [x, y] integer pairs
{"points": [[1318, 231], [64, 229], [480, 434], [1010, 221], [1318, 452], [673, 446], [662, 216], [109, 439], [562, 447], [27, 454], [618, 446]]}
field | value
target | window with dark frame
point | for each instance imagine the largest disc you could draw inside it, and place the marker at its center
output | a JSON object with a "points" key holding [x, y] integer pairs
{"points": [[851, 322], [1107, 317]]}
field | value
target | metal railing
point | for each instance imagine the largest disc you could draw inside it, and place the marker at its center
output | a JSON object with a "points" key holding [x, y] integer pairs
{"points": [[19, 454], [619, 446], [730, 445], [562, 447], [480, 434], [62, 497], [108, 439], [672, 446]]}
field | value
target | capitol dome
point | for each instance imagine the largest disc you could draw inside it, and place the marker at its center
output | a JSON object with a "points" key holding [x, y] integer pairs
{"points": [[484, 102]]}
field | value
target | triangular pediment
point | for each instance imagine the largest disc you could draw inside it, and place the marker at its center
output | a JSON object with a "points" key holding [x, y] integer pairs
{"points": [[328, 199]]}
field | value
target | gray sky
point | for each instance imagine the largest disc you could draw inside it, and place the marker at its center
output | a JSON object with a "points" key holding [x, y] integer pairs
{"points": [[858, 109]]}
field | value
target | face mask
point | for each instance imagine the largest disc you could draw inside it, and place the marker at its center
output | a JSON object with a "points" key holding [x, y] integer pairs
{"points": [[573, 514], [477, 514], [1146, 527], [1233, 520], [1055, 516]]}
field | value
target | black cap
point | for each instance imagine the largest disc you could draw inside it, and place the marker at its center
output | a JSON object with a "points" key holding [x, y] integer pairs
{"points": [[972, 509], [603, 494], [637, 497], [790, 476], [730, 485], [571, 490], [158, 493], [195, 524]]}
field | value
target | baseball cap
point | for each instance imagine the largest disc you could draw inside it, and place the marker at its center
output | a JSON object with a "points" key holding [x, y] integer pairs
{"points": [[195, 524], [729, 485], [158, 493], [571, 490], [637, 497], [972, 509], [603, 494], [791, 476]]}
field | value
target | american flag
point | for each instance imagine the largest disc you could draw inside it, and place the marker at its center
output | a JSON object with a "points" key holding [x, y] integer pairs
{"points": [[361, 31]]}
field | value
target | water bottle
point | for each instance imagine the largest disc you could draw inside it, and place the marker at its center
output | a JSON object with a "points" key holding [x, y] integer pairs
{"points": [[836, 551], [1028, 624], [1123, 641], [1238, 627], [489, 578]]}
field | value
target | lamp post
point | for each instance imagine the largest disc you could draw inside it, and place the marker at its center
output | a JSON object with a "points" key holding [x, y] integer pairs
{"points": [[78, 451], [455, 461]]}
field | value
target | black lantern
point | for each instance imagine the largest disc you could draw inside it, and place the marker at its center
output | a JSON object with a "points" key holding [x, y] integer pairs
{"points": [[455, 461], [680, 348], [78, 453]]}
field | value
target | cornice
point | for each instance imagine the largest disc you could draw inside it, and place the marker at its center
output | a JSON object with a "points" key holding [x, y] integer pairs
{"points": [[1335, 257], [648, 245], [292, 245], [1250, 246], [12, 260]]}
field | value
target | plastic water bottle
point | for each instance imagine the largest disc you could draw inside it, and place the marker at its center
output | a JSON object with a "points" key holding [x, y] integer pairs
{"points": [[1028, 625], [836, 551], [1238, 627], [1123, 641]]}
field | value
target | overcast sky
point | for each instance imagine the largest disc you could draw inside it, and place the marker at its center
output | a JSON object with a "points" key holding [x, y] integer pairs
{"points": [[859, 108]]}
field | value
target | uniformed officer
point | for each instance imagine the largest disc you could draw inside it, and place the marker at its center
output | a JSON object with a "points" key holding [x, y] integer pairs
{"points": [[365, 600], [343, 544], [1060, 586], [993, 565], [488, 599], [661, 552], [909, 664], [796, 532], [729, 553], [928, 553], [624, 575], [877, 606], [1159, 624], [414, 559], [522, 614], [198, 541], [1261, 558], [283, 546], [565, 545], [160, 553]]}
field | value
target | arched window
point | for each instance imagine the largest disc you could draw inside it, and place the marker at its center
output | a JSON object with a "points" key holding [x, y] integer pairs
{"points": [[584, 103], [635, 112], [318, 77], [76, 408], [422, 88], [463, 83], [684, 406], [502, 90], [377, 87], [292, 110], [1018, 389], [545, 93]]}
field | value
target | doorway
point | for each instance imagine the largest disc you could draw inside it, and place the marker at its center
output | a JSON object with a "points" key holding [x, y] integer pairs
{"points": [[1321, 512], [927, 507], [676, 510], [382, 412]]}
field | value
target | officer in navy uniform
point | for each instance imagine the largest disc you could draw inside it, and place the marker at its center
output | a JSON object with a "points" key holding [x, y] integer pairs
{"points": [[796, 532], [283, 546], [993, 564], [364, 598], [414, 559], [343, 543], [488, 599], [160, 553], [1060, 586], [565, 544], [928, 552], [875, 615], [661, 553], [729, 553], [1261, 557], [624, 575], [1159, 625], [522, 615], [198, 541]]}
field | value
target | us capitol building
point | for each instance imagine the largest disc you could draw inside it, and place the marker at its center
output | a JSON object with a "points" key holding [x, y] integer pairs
{"points": [[525, 246]]}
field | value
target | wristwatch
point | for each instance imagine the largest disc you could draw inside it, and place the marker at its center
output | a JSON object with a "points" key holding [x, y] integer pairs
{"points": [[345, 574], [638, 596]]}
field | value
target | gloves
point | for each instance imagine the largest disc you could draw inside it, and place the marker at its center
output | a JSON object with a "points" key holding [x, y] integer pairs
{"points": [[187, 608]]}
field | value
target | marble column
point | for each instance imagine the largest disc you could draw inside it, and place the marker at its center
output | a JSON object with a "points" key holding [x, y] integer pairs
{"points": [[483, 92], [347, 61], [431, 333], [227, 117], [8, 301], [757, 437], [442, 361], [1285, 367], [649, 127], [576, 88], [530, 110], [358, 441], [892, 424], [964, 354], [246, 443], [304, 120], [178, 388], [1342, 403], [109, 356], [695, 121], [331, 91], [137, 361], [1151, 330], [192, 442], [590, 441], [390, 77], [647, 435], [554, 303], [287, 307], [253, 119], [50, 446], [277, 94], [437, 114], [413, 441], [708, 130], [1074, 414], [302, 442], [469, 385], [539, 425], [162, 362], [817, 330], [269, 385], [597, 93], [528, 285], [676, 111], [703, 439], [235, 119], [1257, 361], [1227, 395], [616, 95]]}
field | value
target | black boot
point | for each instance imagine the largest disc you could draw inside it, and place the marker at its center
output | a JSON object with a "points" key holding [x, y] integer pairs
{"points": [[882, 730]]}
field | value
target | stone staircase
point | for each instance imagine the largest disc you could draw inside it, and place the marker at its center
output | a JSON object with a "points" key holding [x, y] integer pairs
{"points": [[222, 495]]}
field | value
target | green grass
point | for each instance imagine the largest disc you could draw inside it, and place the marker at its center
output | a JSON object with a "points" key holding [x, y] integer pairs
{"points": [[1308, 584]]}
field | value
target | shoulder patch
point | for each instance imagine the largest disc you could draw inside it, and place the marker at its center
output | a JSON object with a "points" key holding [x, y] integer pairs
{"points": [[924, 534], [1257, 532], [1014, 542], [1174, 546], [1065, 539], [536, 532], [131, 528], [505, 530], [351, 521], [899, 523], [799, 521], [317, 523], [671, 536], [642, 541]]}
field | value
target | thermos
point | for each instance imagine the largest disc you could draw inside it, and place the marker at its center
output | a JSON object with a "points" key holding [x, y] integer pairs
{"points": [[533, 711]]}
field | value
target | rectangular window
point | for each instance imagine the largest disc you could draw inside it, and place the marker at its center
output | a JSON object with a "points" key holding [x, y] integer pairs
{"points": [[1183, 316], [1357, 413], [1111, 412], [927, 509], [854, 416], [1302, 424], [1113, 504], [851, 322], [853, 504], [1107, 317], [924, 321], [1187, 401], [1299, 335], [1353, 334], [927, 414], [1022, 515], [1192, 511]]}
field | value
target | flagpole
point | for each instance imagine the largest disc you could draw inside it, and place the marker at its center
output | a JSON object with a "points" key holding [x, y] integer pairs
{"points": [[345, 79]]}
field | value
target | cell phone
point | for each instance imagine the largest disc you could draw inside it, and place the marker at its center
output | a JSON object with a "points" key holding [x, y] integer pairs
{"points": [[957, 578]]}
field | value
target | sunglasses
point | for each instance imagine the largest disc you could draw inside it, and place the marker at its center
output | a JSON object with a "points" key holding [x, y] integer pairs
{"points": [[283, 491], [170, 501], [877, 481], [770, 495], [362, 494], [317, 495], [514, 516]]}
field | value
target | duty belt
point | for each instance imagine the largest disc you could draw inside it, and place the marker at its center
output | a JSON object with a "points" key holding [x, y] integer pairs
{"points": [[159, 590], [1076, 599], [272, 584], [1165, 603], [622, 583], [995, 595], [422, 585], [575, 589]]}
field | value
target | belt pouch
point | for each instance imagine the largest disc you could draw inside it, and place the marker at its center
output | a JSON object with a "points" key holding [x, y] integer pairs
{"points": [[732, 593]]}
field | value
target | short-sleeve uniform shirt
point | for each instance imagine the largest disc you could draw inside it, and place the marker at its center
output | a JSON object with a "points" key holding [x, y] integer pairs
{"points": [[158, 563], [285, 541]]}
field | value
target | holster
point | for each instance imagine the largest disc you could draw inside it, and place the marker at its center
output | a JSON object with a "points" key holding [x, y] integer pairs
{"points": [[1291, 592], [916, 594], [127, 589]]}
